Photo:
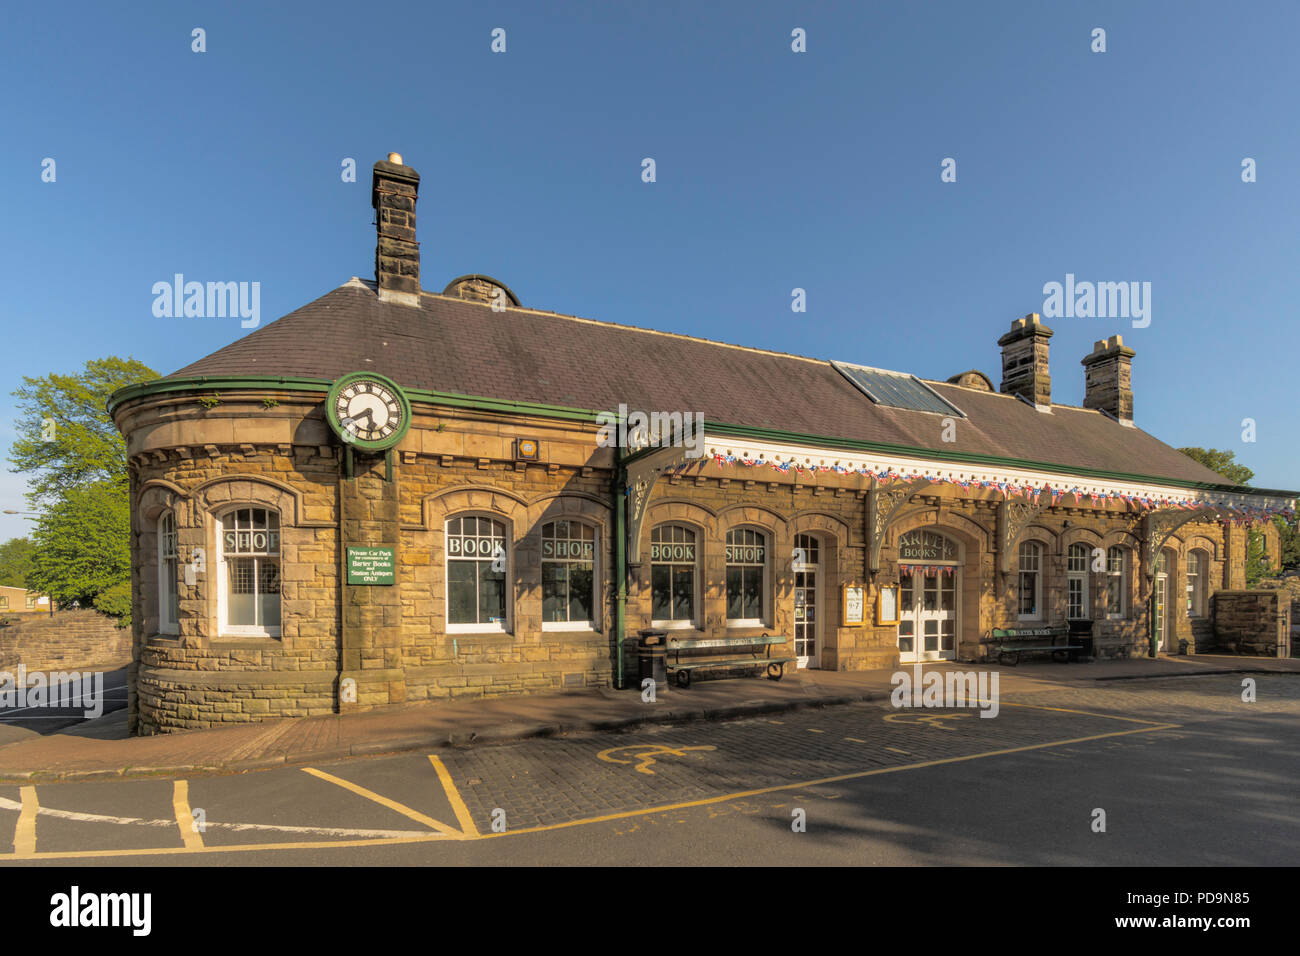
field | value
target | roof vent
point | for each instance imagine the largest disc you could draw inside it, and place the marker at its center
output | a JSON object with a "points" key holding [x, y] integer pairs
{"points": [[485, 289]]}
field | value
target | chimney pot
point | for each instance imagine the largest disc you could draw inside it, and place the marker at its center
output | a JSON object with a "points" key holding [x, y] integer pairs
{"points": [[395, 158]]}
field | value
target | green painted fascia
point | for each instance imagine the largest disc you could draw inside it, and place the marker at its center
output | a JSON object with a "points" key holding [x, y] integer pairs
{"points": [[452, 399], [567, 413]]}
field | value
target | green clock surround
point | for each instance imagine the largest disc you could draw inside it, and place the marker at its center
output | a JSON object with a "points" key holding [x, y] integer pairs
{"points": [[368, 397]]}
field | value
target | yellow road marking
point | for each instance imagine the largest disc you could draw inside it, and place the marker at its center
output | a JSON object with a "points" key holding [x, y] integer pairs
{"points": [[447, 831], [812, 731], [647, 753], [463, 816], [250, 847], [897, 751], [824, 780], [855, 740], [383, 801], [932, 720], [184, 816], [25, 830]]}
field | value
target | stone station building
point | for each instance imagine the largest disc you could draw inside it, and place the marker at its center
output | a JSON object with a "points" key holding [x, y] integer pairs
{"points": [[396, 495]]}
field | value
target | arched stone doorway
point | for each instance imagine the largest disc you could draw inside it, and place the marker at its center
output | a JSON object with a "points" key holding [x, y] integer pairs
{"points": [[929, 595]]}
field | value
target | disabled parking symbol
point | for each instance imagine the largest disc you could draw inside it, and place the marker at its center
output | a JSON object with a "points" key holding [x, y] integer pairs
{"points": [[643, 755]]}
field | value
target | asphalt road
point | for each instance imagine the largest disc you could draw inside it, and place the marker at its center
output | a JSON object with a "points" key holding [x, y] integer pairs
{"points": [[1184, 771], [46, 720]]}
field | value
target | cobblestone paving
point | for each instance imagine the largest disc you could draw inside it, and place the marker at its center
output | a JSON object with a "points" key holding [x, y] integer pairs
{"points": [[553, 781]]}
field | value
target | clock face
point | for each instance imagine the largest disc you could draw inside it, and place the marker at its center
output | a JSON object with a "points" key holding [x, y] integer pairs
{"points": [[368, 410]]}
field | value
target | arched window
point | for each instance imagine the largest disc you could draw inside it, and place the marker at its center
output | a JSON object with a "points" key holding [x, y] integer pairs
{"points": [[1116, 582], [747, 555], [568, 575], [1031, 581], [478, 567], [1197, 571], [249, 579], [168, 570], [673, 577], [1076, 581]]}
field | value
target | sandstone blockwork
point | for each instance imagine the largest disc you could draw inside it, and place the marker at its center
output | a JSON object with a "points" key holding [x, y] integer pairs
{"points": [[247, 510], [78, 639]]}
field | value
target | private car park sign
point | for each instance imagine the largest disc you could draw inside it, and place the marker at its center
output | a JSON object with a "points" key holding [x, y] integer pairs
{"points": [[370, 566]]}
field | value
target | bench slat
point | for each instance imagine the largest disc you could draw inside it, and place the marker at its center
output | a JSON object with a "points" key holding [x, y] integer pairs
{"points": [[733, 663], [692, 643]]}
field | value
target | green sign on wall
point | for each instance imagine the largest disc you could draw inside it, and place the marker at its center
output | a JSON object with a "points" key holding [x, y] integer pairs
{"points": [[370, 565]]}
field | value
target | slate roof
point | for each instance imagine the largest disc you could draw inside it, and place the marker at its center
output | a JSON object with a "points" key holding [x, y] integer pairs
{"points": [[451, 345]]}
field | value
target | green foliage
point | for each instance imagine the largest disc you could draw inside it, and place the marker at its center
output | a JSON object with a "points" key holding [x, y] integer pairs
{"points": [[115, 601], [270, 402], [1224, 462], [15, 559], [85, 446], [1258, 563], [83, 544], [210, 401], [1289, 556], [77, 479]]}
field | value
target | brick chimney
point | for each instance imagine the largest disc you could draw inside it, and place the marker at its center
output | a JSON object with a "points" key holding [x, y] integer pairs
{"points": [[1024, 361], [393, 190], [1108, 379]]}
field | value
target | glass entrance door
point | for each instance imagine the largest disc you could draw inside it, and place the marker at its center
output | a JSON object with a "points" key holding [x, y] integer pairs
{"points": [[927, 614], [1162, 590], [807, 620]]}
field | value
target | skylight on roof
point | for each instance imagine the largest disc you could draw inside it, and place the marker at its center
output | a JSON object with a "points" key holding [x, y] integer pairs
{"points": [[896, 389]]}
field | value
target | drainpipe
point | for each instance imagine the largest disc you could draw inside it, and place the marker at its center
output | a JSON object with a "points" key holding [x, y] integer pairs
{"points": [[618, 494]]}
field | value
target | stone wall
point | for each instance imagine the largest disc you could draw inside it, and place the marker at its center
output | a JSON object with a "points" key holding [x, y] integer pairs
{"points": [[68, 640], [1251, 622]]}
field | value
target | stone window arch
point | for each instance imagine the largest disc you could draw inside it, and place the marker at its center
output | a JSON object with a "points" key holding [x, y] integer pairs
{"points": [[168, 558], [675, 590], [1198, 579], [248, 571], [1029, 592], [570, 563], [748, 575], [478, 551]]}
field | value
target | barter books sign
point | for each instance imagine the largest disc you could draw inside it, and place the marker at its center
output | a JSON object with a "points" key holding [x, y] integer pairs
{"points": [[370, 565]]}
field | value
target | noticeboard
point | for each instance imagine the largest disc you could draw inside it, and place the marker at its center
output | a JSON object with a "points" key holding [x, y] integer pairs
{"points": [[855, 605], [370, 565]]}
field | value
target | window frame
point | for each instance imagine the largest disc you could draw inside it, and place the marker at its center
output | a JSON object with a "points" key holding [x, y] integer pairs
{"points": [[220, 522], [1037, 548], [1196, 558], [594, 624], [1121, 576], [166, 623], [1073, 575], [764, 600], [696, 602], [507, 535]]}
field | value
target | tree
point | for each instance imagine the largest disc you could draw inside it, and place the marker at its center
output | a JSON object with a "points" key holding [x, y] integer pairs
{"points": [[66, 438], [1222, 462], [15, 559], [75, 459], [1289, 549], [83, 544], [1258, 563]]}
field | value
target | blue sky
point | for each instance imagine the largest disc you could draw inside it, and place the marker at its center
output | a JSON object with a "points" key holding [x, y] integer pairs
{"points": [[775, 170]]}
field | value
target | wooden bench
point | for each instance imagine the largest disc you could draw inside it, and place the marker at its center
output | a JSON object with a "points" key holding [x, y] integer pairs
{"points": [[1028, 640], [683, 669]]}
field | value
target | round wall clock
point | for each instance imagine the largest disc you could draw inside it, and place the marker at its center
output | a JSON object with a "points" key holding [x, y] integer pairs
{"points": [[368, 411]]}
